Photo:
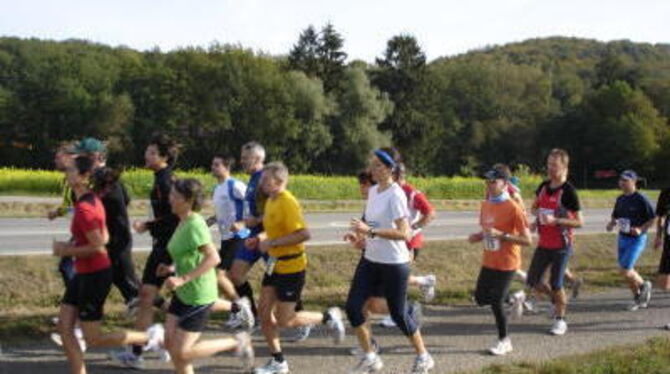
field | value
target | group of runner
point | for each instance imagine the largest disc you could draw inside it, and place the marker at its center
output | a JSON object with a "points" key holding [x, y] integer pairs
{"points": [[263, 220]]}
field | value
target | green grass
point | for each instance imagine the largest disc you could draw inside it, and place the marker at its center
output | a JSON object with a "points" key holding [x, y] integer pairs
{"points": [[652, 357], [30, 286]]}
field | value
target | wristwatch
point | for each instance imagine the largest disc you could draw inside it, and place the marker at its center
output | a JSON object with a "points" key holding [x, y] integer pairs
{"points": [[505, 236], [372, 233]]}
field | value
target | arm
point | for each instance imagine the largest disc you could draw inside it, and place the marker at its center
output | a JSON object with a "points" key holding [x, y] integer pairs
{"points": [[293, 238], [210, 260], [644, 228], [97, 239], [426, 209], [576, 222], [402, 232]]}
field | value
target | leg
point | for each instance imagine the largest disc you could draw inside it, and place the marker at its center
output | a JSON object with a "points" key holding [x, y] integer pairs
{"points": [[221, 305], [238, 275], [269, 325], [123, 269], [395, 279], [558, 265], [361, 289], [67, 319], [96, 338], [226, 285]]}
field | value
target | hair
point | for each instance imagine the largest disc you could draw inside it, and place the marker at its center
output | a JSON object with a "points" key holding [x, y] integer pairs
{"points": [[276, 170], [395, 155], [166, 147], [256, 148], [503, 168], [227, 161], [65, 146], [191, 189], [561, 154], [400, 171], [365, 177], [104, 177], [83, 164]]}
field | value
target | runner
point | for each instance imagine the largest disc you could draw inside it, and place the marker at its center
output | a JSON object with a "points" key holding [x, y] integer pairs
{"points": [[504, 230], [634, 215], [160, 156], [558, 212], [663, 239], [385, 264], [86, 293], [193, 280], [228, 200], [284, 278]]}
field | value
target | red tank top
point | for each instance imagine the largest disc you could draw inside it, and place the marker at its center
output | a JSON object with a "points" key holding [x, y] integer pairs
{"points": [[553, 236]]}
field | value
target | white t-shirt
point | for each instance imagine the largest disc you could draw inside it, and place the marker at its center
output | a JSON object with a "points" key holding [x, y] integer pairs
{"points": [[227, 210], [381, 212]]}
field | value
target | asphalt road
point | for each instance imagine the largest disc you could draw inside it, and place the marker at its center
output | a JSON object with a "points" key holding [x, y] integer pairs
{"points": [[456, 336], [23, 236]]}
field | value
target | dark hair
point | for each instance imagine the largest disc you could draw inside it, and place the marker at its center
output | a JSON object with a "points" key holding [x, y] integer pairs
{"points": [[104, 177], [166, 147], [227, 161], [83, 164], [400, 171], [191, 189], [365, 177]]}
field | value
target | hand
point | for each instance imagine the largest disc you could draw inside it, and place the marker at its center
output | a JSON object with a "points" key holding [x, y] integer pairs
{"points": [[140, 227], [359, 226], [550, 220], [355, 240], [58, 248], [172, 283], [251, 243], [610, 226], [475, 238], [658, 243], [53, 214], [252, 221], [236, 227], [164, 270], [635, 231]]}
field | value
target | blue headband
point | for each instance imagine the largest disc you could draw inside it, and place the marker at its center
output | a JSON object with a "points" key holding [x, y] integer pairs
{"points": [[385, 158]]}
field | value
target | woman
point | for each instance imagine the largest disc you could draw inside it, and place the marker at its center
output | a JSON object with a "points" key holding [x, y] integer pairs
{"points": [[86, 293], [504, 230], [385, 264], [194, 284]]}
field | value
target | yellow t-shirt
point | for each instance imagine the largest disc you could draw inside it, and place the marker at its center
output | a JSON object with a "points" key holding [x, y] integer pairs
{"points": [[283, 216]]}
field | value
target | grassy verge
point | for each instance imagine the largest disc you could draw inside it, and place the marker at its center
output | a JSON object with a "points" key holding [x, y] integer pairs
{"points": [[30, 286], [648, 358]]}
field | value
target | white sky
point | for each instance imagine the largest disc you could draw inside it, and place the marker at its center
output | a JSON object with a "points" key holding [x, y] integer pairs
{"points": [[442, 27]]}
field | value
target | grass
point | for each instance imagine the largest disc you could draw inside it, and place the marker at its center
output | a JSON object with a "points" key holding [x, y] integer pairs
{"points": [[652, 357], [30, 286]]}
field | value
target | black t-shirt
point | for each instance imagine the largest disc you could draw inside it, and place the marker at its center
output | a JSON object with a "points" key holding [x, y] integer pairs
{"points": [[663, 206], [116, 202], [569, 199], [165, 222]]}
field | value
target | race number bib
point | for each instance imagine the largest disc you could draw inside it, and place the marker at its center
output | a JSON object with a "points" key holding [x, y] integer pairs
{"points": [[491, 244], [543, 214], [270, 265], [624, 225]]}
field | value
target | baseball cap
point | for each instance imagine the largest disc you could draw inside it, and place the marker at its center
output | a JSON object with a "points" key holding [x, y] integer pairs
{"points": [[496, 174], [89, 145], [628, 174]]}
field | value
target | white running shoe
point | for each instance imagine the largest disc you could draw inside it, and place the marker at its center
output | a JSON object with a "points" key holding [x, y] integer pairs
{"points": [[300, 334], [645, 294], [56, 338], [367, 365], [422, 364], [501, 347], [336, 324], [245, 315], [245, 350], [127, 359], [428, 288], [156, 335], [273, 367], [518, 299], [387, 322], [560, 327]]}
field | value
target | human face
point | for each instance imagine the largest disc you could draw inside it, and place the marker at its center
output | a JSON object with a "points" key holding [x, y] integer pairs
{"points": [[249, 160], [627, 185], [556, 169], [62, 160], [178, 203], [271, 185], [74, 179], [152, 158], [364, 188], [380, 172], [219, 170], [495, 187]]}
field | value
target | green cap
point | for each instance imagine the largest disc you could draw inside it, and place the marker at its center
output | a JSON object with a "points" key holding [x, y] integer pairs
{"points": [[90, 145]]}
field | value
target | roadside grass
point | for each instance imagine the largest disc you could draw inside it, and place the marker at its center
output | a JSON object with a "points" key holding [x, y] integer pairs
{"points": [[651, 357], [31, 288]]}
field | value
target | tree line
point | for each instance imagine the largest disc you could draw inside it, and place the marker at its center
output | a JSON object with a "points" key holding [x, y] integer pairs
{"points": [[608, 104]]}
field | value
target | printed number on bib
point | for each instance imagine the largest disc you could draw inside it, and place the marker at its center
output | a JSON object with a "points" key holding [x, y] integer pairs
{"points": [[490, 243], [624, 225], [270, 265], [544, 214]]}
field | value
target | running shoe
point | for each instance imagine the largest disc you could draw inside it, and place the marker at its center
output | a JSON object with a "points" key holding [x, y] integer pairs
{"points": [[300, 334], [156, 335], [386, 322], [127, 359], [428, 288], [245, 350], [358, 351], [645, 294], [501, 347], [560, 327], [245, 315], [335, 324], [517, 304], [367, 365], [423, 364], [273, 367]]}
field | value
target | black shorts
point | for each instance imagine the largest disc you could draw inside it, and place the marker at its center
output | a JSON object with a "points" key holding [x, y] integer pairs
{"points": [[492, 286], [664, 265], [192, 318], [88, 292], [555, 259], [159, 255], [288, 287], [227, 252]]}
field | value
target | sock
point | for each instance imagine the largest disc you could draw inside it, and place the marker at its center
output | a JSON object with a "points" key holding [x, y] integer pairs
{"points": [[421, 279], [424, 355], [246, 290], [279, 357]]}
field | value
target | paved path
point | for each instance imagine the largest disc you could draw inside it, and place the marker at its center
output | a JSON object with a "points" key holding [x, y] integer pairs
{"points": [[457, 337], [34, 235]]}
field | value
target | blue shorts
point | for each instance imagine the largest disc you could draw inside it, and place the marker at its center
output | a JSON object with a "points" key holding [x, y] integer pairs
{"points": [[630, 249], [247, 255]]}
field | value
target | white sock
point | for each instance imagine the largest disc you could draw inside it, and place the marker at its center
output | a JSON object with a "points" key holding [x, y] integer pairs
{"points": [[370, 356], [424, 355], [421, 279]]}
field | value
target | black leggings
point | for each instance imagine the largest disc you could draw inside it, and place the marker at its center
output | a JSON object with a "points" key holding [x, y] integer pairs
{"points": [[492, 286], [392, 279], [123, 272]]}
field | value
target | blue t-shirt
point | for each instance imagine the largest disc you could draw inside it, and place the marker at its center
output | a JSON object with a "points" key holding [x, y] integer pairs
{"points": [[255, 198], [635, 207]]}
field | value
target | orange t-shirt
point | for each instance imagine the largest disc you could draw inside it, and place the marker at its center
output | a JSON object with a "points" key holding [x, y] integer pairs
{"points": [[509, 218]]}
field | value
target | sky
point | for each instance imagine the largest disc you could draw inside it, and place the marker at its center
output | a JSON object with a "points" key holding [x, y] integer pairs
{"points": [[443, 28]]}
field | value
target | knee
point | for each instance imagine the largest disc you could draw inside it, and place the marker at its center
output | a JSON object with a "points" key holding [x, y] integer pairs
{"points": [[626, 273]]}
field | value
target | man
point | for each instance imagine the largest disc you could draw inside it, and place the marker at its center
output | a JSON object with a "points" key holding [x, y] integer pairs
{"points": [[558, 212], [634, 215]]}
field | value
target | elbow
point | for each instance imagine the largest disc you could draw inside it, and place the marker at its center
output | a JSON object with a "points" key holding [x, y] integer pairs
{"points": [[306, 235]]}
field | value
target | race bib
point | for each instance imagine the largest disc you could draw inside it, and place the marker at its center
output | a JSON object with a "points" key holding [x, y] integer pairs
{"points": [[624, 225], [543, 214], [491, 244], [270, 265]]}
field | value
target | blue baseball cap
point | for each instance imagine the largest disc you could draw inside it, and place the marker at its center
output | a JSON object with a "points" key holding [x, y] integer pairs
{"points": [[496, 173], [628, 174]]}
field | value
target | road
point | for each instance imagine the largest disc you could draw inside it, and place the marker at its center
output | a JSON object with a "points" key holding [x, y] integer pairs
{"points": [[23, 236], [457, 336]]}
